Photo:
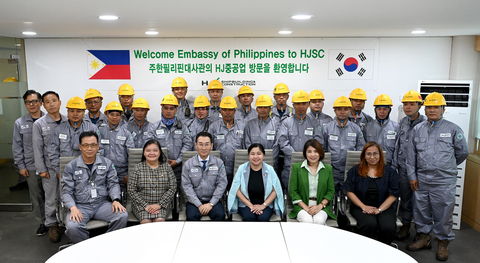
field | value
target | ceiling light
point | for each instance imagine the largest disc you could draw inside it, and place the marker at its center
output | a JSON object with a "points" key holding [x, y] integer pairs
{"points": [[151, 33], [302, 17], [108, 17], [285, 32], [418, 32], [29, 33]]}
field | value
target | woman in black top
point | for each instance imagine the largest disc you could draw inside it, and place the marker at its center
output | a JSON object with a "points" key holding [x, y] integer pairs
{"points": [[373, 187]]}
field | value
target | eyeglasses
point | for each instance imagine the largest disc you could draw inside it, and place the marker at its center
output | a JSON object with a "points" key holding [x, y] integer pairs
{"points": [[201, 145], [95, 102], [370, 155], [28, 102], [93, 145]]}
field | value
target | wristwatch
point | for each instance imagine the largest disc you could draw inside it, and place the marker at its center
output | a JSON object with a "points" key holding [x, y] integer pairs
{"points": [[265, 204], [209, 203], [379, 210]]}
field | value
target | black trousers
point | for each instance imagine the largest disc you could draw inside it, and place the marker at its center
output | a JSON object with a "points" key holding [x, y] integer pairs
{"points": [[380, 227]]}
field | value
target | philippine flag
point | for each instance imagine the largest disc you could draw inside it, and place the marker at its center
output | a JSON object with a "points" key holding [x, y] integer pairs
{"points": [[350, 64], [108, 64]]}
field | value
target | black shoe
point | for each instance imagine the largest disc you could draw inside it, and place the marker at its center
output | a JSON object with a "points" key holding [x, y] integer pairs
{"points": [[42, 230], [19, 187]]}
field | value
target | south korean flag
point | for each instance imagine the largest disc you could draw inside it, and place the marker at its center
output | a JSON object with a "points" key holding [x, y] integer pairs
{"points": [[350, 64]]}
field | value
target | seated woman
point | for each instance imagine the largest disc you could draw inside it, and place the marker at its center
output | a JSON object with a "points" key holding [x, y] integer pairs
{"points": [[372, 187], [256, 191], [311, 186], [152, 185]]}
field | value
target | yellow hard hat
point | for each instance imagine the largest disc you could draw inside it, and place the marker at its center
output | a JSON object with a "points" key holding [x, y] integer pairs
{"points": [[435, 99], [316, 95], [263, 101], [383, 100], [201, 101], [342, 102], [125, 89], [76, 103], [300, 96], [179, 82], [11, 79], [113, 106], [140, 103], [412, 96], [281, 88], [169, 100], [93, 93], [215, 84], [228, 103], [358, 94], [245, 90]]}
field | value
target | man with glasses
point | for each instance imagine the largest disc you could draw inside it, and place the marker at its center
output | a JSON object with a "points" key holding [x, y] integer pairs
{"points": [[22, 149], [87, 183], [200, 122], [94, 99]]}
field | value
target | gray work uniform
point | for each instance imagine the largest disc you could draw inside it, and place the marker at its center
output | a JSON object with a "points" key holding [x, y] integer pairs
{"points": [[22, 149], [101, 120], [384, 133], [321, 117], [126, 117], [339, 140], [204, 186], [437, 151], [361, 120], [227, 141], [176, 139], [264, 132], [182, 107], [114, 145], [294, 133], [139, 134], [214, 113], [404, 142], [289, 111], [243, 116], [65, 140], [195, 126], [43, 130], [88, 190]]}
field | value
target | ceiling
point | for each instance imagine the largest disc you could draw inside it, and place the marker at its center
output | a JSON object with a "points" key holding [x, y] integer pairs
{"points": [[246, 18]]}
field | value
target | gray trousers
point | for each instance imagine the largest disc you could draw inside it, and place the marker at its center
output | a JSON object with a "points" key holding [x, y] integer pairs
{"points": [[433, 209], [50, 186], [78, 232], [406, 195], [37, 195]]}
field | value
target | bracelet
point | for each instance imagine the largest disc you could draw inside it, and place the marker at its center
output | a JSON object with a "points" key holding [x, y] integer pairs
{"points": [[265, 204]]}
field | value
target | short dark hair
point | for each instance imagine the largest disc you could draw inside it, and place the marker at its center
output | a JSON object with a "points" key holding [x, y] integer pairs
{"points": [[259, 145], [204, 134], [48, 93], [87, 134], [315, 144], [161, 158], [32, 92]]}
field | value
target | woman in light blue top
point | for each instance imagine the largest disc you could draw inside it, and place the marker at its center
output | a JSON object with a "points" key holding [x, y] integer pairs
{"points": [[256, 192]]}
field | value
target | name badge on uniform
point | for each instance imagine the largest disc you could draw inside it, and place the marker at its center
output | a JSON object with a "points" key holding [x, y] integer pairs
{"points": [[102, 167], [159, 132], [333, 137], [239, 132], [62, 136], [178, 132], [103, 125], [213, 168], [121, 138], [270, 132], [445, 135], [134, 134], [220, 136], [93, 192], [309, 131], [78, 172], [104, 141], [352, 134], [270, 137], [145, 133]]}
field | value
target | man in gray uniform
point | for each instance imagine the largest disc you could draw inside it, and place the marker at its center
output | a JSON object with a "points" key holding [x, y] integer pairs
{"points": [[115, 140], [65, 136], [281, 111], [412, 102], [43, 130], [139, 125], [22, 149], [215, 92], [228, 135], [200, 122], [87, 182], [170, 133], [204, 182], [383, 130], [125, 97], [340, 136], [295, 131], [245, 112], [93, 99], [185, 107], [316, 108], [439, 146], [357, 116]]}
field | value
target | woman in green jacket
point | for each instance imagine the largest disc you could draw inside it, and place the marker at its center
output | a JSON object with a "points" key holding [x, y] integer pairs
{"points": [[311, 186]]}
